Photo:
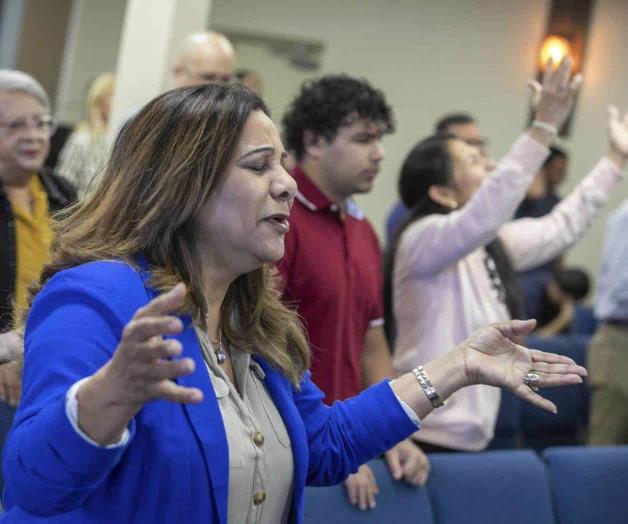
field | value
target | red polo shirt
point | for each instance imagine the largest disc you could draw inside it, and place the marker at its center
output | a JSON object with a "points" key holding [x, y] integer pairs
{"points": [[332, 274]]}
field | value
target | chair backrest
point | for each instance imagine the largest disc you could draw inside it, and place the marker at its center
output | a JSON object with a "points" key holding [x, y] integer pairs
{"points": [[590, 485], [584, 321], [493, 487], [396, 500]]}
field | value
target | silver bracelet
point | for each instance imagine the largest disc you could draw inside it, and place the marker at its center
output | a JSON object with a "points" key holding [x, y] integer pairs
{"points": [[545, 126], [426, 386]]}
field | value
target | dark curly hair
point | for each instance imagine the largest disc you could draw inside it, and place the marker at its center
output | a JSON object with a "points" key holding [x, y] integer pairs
{"points": [[326, 104]]}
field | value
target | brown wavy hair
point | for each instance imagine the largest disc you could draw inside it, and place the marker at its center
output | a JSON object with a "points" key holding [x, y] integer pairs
{"points": [[165, 163]]}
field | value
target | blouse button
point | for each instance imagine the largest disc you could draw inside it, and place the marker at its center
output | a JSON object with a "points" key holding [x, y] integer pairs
{"points": [[258, 438], [259, 497]]}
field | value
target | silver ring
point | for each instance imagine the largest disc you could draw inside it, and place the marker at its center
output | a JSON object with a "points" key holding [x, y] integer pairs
{"points": [[532, 379]]}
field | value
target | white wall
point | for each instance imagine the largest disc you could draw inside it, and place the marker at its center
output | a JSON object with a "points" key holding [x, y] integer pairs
{"points": [[430, 57], [91, 48]]}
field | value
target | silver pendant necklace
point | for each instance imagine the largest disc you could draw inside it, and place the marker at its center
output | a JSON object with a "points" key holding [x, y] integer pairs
{"points": [[219, 350], [218, 347]]}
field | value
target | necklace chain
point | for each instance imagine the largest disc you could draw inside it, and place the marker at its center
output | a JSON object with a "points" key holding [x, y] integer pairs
{"points": [[218, 347]]}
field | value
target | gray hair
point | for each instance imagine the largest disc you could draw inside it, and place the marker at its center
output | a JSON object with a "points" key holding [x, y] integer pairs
{"points": [[12, 80]]}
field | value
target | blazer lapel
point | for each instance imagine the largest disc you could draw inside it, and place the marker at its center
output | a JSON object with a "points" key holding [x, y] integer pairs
{"points": [[205, 418], [206, 421]]}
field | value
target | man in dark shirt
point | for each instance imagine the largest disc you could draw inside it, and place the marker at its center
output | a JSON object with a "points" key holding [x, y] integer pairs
{"points": [[540, 200]]}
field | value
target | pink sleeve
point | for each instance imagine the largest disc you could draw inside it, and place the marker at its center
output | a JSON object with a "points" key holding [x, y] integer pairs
{"points": [[531, 242], [435, 242]]}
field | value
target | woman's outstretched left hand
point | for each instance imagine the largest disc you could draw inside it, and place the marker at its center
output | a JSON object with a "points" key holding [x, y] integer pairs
{"points": [[491, 356]]}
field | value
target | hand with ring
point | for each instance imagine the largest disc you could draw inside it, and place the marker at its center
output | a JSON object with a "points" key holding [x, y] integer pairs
{"points": [[531, 380], [491, 356]]}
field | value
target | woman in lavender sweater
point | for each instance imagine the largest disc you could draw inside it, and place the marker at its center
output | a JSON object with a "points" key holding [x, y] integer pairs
{"points": [[451, 267]]}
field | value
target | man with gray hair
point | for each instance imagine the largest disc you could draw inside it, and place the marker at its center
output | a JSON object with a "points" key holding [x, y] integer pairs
{"points": [[29, 194]]}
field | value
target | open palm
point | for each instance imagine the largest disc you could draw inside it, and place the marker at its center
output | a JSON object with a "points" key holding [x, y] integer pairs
{"points": [[492, 357], [618, 130]]}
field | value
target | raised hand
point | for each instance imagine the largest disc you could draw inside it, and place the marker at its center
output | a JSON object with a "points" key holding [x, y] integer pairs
{"points": [[139, 367], [618, 131], [139, 371], [553, 99], [492, 357]]}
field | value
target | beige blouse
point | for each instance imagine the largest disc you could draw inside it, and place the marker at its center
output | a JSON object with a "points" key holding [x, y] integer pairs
{"points": [[261, 469]]}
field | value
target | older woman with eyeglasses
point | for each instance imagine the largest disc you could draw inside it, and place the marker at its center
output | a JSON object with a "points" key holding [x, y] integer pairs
{"points": [[28, 196], [164, 380], [452, 266]]}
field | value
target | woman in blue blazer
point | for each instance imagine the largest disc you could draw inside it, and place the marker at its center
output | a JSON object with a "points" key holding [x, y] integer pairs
{"points": [[120, 420]]}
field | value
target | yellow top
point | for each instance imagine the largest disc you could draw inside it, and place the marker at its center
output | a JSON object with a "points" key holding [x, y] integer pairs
{"points": [[33, 235]]}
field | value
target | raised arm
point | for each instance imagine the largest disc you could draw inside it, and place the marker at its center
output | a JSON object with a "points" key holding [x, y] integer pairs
{"points": [[492, 356], [437, 241], [433, 243], [351, 432], [531, 242], [73, 332]]}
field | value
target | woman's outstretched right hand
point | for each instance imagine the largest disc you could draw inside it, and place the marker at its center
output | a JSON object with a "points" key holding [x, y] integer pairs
{"points": [[553, 99], [139, 371]]}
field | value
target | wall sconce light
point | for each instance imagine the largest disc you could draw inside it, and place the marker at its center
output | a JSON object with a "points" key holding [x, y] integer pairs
{"points": [[556, 48], [566, 34]]}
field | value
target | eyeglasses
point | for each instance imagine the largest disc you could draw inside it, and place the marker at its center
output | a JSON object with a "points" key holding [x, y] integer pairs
{"points": [[493, 275], [45, 124], [206, 78], [220, 79]]}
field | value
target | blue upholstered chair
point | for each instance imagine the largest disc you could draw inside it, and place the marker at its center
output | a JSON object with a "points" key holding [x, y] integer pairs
{"points": [[590, 485], [493, 487], [584, 321], [396, 502]]}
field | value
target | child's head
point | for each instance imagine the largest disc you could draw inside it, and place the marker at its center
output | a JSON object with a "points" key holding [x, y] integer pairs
{"points": [[574, 283]]}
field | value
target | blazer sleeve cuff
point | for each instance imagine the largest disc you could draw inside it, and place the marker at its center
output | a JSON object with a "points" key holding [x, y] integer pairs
{"points": [[71, 454]]}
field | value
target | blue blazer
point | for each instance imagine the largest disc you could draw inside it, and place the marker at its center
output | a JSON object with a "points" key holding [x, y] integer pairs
{"points": [[175, 467]]}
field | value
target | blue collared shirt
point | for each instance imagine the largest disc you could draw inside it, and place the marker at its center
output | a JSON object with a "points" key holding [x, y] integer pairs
{"points": [[612, 299]]}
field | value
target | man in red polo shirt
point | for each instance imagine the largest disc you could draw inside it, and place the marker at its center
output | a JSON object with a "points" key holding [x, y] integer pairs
{"points": [[332, 263]]}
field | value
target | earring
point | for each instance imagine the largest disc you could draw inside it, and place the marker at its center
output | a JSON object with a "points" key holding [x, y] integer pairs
{"points": [[453, 204]]}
